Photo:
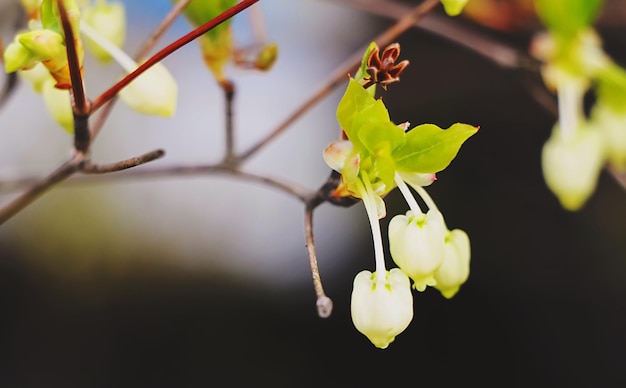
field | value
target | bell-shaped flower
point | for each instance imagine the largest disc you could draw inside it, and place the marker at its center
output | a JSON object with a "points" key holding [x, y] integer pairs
{"points": [[454, 270], [612, 126], [58, 104], [109, 20], [381, 307], [154, 92], [416, 243], [571, 165], [37, 76]]}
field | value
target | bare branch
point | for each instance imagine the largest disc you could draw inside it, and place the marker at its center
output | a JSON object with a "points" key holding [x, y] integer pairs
{"points": [[228, 87], [324, 303], [341, 73], [90, 168], [35, 191]]}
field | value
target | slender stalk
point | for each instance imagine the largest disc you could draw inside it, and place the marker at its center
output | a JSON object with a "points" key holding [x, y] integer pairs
{"points": [[404, 189], [228, 88], [171, 48], [324, 303], [340, 74], [367, 194]]}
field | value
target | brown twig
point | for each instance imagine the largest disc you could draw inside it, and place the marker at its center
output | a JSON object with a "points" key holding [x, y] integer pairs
{"points": [[324, 303], [339, 76], [171, 48], [90, 168], [228, 87], [36, 190]]}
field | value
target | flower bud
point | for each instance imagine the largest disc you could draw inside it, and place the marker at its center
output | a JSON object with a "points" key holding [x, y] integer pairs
{"points": [[154, 92], [381, 309], [571, 166], [108, 20], [44, 44], [416, 243], [454, 270], [267, 57], [17, 57]]}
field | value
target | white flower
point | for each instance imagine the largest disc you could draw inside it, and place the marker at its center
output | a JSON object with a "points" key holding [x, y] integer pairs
{"points": [[416, 243], [571, 166], [454, 270], [381, 309]]}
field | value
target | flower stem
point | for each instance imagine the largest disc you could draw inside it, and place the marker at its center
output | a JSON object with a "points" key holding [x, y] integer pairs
{"points": [[367, 194], [426, 197], [570, 95], [404, 189]]}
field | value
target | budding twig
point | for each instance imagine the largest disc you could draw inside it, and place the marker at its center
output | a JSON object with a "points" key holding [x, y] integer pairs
{"points": [[339, 75]]}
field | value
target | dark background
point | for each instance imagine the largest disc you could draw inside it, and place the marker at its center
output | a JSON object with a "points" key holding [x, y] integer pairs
{"points": [[544, 305]]}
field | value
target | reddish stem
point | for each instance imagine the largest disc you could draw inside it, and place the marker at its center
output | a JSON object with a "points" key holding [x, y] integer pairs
{"points": [[171, 48], [80, 101]]}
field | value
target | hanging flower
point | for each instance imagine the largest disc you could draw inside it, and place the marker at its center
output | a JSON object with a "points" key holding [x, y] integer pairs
{"points": [[381, 306]]}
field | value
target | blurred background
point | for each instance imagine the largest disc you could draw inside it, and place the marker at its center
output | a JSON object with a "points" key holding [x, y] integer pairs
{"points": [[204, 280]]}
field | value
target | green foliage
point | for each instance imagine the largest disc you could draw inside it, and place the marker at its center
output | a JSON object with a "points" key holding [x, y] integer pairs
{"points": [[201, 11], [430, 149], [567, 17], [423, 149]]}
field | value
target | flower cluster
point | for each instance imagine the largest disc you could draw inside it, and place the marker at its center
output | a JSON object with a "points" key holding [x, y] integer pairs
{"points": [[375, 157], [39, 55], [573, 63]]}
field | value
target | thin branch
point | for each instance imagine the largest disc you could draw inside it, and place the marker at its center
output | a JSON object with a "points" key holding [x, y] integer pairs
{"points": [[80, 105], [324, 303], [228, 87], [161, 29], [35, 191], [340, 74], [90, 168], [171, 48]]}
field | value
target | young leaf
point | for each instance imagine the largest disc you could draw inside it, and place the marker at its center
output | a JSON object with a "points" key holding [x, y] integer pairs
{"points": [[430, 149], [356, 109], [567, 17]]}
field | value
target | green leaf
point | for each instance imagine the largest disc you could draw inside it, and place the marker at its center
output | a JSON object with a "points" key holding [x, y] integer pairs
{"points": [[201, 11], [567, 17], [430, 149], [362, 72], [375, 135], [357, 109]]}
